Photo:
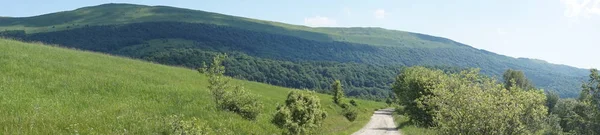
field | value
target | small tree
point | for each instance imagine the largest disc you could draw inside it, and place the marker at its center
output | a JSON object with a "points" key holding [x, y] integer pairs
{"points": [[551, 100], [338, 92], [239, 100], [516, 78], [301, 113], [217, 82]]}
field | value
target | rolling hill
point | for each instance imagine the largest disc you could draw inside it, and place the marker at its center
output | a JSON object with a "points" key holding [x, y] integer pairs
{"points": [[365, 59], [51, 90]]}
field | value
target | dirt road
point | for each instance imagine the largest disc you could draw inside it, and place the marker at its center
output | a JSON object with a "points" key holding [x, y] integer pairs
{"points": [[382, 123]]}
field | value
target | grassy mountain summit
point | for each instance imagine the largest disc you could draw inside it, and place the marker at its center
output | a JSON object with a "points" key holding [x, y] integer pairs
{"points": [[364, 59], [51, 90], [110, 14]]}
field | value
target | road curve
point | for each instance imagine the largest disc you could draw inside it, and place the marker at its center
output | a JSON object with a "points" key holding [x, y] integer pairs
{"points": [[382, 123]]}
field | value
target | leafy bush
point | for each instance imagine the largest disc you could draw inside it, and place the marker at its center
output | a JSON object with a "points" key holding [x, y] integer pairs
{"points": [[350, 113], [353, 102], [178, 126], [301, 113], [344, 105], [242, 102]]}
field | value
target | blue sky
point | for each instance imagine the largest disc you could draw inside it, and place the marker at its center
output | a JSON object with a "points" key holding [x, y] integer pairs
{"points": [[558, 31]]}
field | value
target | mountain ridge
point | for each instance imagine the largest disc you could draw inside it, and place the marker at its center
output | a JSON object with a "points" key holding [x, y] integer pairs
{"points": [[394, 47]]}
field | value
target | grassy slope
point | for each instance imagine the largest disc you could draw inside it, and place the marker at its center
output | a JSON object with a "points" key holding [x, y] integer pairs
{"points": [[50, 90]]}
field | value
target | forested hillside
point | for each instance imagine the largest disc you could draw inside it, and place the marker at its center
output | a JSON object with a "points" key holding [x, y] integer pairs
{"points": [[364, 59]]}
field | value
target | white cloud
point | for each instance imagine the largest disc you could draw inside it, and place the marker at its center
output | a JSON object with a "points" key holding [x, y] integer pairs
{"points": [[319, 21], [595, 9], [577, 8], [379, 13]]}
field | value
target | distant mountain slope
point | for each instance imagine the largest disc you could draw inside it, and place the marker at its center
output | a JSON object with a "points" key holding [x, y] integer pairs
{"points": [[109, 14], [133, 27], [50, 90]]}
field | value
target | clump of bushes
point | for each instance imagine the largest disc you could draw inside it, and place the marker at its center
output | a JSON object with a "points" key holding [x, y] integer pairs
{"points": [[301, 113], [178, 126], [469, 103], [238, 100], [242, 102]]}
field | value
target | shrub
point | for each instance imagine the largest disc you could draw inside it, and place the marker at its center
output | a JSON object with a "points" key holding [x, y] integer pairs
{"points": [[178, 126], [344, 105], [301, 113], [350, 113], [242, 102], [353, 103]]}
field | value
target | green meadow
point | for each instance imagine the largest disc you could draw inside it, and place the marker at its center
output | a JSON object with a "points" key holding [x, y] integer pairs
{"points": [[52, 90]]}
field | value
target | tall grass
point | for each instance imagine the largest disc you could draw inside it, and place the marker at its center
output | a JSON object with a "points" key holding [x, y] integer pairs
{"points": [[50, 90], [406, 127]]}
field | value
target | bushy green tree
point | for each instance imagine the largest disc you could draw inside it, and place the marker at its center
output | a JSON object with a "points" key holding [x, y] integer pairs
{"points": [[301, 113], [565, 110], [587, 120], [338, 92], [551, 100], [515, 78], [410, 86]]}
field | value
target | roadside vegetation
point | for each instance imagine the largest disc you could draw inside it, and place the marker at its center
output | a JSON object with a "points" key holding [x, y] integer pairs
{"points": [[467, 102]]}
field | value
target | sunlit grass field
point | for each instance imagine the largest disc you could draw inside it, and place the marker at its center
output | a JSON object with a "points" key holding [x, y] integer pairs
{"points": [[51, 90]]}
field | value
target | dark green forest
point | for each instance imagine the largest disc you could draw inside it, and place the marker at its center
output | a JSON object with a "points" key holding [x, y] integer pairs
{"points": [[291, 61]]}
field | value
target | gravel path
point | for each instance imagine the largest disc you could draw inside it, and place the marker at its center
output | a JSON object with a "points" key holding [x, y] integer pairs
{"points": [[382, 123]]}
